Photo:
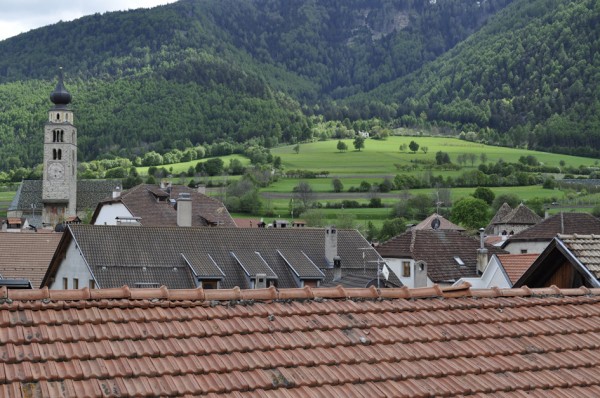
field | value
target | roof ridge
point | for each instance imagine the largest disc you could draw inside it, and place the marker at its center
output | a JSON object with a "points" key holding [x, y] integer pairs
{"points": [[272, 293]]}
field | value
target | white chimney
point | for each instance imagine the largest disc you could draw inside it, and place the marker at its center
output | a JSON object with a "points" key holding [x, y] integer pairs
{"points": [[260, 281], [420, 274], [116, 192], [337, 268], [184, 210], [330, 244], [201, 189], [482, 253]]}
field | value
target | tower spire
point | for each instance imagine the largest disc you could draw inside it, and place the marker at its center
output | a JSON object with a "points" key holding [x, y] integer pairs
{"points": [[60, 96]]}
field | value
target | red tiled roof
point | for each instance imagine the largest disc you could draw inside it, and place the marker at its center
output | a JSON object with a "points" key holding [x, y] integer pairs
{"points": [[444, 223], [27, 255], [246, 222], [515, 265], [300, 342]]}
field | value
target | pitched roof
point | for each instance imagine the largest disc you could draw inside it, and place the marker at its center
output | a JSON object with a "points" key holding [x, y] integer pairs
{"points": [[444, 223], [568, 260], [26, 255], [240, 253], [153, 206], [300, 342], [586, 248], [562, 223], [439, 249], [515, 265], [89, 193], [521, 215], [502, 212]]}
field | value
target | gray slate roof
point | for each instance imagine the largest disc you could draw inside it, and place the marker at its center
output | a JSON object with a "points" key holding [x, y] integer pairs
{"points": [[562, 223], [159, 249], [89, 194]]}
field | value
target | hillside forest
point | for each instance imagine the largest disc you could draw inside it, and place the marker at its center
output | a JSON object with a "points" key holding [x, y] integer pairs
{"points": [[258, 73]]}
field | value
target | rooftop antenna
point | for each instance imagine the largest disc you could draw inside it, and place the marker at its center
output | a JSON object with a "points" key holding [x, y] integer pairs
{"points": [[381, 271]]}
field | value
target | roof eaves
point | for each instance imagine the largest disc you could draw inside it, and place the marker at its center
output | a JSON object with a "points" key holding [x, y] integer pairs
{"points": [[590, 278]]}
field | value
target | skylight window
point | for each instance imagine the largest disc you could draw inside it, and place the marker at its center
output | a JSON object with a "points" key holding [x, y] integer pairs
{"points": [[459, 261]]}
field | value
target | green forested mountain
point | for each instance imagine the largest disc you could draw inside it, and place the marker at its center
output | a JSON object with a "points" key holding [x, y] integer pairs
{"points": [[531, 77], [201, 71]]}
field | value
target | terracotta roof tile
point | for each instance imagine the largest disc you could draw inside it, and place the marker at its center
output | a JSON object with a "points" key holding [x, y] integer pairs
{"points": [[515, 265], [26, 255], [443, 223], [324, 342]]}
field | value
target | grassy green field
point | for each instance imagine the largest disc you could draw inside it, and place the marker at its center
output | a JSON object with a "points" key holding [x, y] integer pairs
{"points": [[379, 157], [177, 168]]}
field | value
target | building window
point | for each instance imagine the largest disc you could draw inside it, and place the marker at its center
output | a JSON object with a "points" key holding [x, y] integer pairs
{"points": [[59, 154], [92, 284], [406, 269], [65, 283], [523, 251], [75, 283], [209, 284]]}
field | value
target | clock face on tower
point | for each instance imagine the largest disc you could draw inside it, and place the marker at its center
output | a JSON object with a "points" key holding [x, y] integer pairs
{"points": [[56, 171]]}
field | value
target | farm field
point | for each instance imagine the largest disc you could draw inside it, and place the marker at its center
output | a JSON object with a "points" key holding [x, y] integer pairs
{"points": [[380, 159], [379, 156]]}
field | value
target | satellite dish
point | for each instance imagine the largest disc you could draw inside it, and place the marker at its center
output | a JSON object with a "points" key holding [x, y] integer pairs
{"points": [[435, 223]]}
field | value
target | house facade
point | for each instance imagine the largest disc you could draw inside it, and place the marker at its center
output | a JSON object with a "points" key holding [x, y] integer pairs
{"points": [[426, 257], [569, 261], [536, 238]]}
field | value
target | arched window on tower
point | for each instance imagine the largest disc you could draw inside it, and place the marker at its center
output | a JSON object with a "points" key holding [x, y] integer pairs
{"points": [[53, 135], [62, 136], [58, 116], [59, 154], [54, 154]]}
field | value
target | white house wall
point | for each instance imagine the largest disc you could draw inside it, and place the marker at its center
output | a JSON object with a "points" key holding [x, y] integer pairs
{"points": [[530, 247], [493, 276], [109, 212], [395, 264], [72, 267]]}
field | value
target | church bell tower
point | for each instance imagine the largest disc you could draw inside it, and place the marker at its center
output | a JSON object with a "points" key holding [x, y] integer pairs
{"points": [[59, 187]]}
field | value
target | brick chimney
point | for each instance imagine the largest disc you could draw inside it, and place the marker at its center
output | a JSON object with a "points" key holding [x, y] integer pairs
{"points": [[184, 210], [330, 244], [482, 253]]}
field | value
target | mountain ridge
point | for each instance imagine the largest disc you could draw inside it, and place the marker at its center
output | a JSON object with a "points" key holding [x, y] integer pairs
{"points": [[202, 71]]}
